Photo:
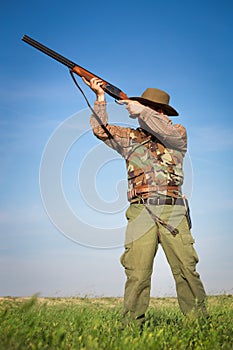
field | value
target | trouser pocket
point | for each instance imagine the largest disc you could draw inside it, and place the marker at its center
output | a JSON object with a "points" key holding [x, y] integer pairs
{"points": [[189, 250], [126, 259]]}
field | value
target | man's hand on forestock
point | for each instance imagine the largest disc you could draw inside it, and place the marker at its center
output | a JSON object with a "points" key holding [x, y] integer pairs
{"points": [[133, 107], [95, 85]]}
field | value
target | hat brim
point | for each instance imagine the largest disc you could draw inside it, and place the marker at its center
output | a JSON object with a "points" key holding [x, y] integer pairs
{"points": [[168, 110]]}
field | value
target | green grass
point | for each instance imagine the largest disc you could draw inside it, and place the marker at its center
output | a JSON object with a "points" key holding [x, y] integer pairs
{"points": [[89, 324]]}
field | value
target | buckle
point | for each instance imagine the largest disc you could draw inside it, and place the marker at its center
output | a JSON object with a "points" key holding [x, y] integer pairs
{"points": [[151, 200]]}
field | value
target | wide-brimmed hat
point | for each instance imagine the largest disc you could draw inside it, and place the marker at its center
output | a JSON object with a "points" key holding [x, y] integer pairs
{"points": [[156, 98]]}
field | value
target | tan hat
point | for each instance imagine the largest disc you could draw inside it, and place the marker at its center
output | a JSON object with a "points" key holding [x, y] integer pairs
{"points": [[156, 98]]}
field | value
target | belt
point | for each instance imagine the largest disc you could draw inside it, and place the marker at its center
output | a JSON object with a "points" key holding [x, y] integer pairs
{"points": [[159, 201]]}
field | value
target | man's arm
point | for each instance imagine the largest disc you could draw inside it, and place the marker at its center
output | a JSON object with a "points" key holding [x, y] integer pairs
{"points": [[172, 135]]}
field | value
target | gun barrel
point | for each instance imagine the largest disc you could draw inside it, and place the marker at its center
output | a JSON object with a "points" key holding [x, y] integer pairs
{"points": [[49, 52]]}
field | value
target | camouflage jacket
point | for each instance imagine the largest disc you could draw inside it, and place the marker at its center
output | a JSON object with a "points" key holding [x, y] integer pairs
{"points": [[154, 154]]}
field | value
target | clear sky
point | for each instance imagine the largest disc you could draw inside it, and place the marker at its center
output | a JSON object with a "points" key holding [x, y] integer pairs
{"points": [[62, 198]]}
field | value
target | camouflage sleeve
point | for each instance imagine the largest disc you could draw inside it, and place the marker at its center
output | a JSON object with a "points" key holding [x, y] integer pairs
{"points": [[116, 137], [100, 110], [172, 135]]}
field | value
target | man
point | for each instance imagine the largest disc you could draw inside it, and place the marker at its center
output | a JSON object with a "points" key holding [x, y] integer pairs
{"points": [[158, 211]]}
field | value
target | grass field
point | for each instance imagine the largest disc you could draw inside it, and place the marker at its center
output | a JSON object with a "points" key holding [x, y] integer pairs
{"points": [[90, 324]]}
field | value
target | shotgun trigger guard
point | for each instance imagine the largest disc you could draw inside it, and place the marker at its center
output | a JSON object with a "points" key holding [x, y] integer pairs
{"points": [[119, 102]]}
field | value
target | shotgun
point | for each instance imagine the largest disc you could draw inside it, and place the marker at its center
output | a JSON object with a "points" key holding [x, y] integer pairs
{"points": [[73, 67]]}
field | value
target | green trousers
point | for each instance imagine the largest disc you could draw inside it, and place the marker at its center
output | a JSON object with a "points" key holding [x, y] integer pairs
{"points": [[143, 235]]}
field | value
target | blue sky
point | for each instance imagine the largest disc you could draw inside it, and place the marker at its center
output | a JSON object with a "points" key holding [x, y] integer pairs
{"points": [[183, 47]]}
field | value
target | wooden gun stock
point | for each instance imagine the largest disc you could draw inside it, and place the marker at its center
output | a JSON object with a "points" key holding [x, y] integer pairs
{"points": [[82, 72]]}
